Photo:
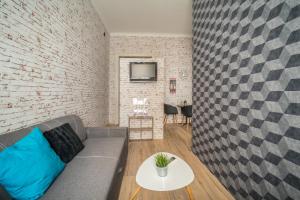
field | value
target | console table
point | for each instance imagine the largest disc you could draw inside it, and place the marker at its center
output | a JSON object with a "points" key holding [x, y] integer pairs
{"points": [[141, 128]]}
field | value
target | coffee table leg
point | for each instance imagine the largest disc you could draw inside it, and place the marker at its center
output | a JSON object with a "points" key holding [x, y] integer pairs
{"points": [[135, 193], [190, 193]]}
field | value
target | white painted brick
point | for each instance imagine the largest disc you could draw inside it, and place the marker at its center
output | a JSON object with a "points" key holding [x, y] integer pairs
{"points": [[53, 62], [176, 53], [153, 91]]}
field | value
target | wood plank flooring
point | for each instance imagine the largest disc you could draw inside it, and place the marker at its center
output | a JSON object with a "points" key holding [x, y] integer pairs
{"points": [[177, 141]]}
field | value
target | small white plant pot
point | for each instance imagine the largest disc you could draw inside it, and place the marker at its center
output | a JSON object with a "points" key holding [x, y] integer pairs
{"points": [[162, 171]]}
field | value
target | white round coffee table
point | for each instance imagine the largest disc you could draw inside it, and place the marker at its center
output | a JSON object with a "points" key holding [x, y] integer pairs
{"points": [[180, 175]]}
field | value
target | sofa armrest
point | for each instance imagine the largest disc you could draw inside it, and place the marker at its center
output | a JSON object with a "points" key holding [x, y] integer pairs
{"points": [[96, 132]]}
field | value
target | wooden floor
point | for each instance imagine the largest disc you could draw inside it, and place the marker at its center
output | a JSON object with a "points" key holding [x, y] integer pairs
{"points": [[177, 141]]}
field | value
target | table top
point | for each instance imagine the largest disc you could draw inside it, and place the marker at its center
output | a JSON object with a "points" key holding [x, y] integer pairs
{"points": [[140, 117], [179, 175]]}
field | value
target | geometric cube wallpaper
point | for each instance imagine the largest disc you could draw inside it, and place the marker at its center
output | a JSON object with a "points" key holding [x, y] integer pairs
{"points": [[246, 95]]}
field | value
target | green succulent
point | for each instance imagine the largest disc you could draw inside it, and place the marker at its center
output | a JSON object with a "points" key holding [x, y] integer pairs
{"points": [[161, 160]]}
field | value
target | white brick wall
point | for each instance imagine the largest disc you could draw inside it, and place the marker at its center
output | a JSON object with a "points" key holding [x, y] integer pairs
{"points": [[53, 62], [176, 53], [153, 91]]}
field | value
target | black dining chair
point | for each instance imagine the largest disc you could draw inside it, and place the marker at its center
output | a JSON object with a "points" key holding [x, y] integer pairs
{"points": [[187, 112], [182, 110], [170, 110]]}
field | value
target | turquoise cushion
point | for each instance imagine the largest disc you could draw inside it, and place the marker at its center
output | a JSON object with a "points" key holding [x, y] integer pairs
{"points": [[29, 166]]}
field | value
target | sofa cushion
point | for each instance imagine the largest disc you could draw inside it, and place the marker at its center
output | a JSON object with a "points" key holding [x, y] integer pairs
{"points": [[103, 147], [75, 122], [64, 141], [84, 178], [29, 166]]}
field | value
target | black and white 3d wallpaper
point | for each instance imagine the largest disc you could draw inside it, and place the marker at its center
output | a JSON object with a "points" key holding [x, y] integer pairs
{"points": [[246, 95]]}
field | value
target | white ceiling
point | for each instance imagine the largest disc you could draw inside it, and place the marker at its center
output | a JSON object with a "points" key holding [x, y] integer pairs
{"points": [[146, 16]]}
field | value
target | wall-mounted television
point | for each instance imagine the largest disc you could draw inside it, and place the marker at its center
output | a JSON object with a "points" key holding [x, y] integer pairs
{"points": [[143, 71]]}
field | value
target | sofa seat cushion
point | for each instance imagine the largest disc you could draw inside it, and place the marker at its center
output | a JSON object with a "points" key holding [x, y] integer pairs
{"points": [[84, 178], [103, 147]]}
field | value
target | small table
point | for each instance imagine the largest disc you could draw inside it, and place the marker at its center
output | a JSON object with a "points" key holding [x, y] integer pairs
{"points": [[141, 128], [180, 175]]}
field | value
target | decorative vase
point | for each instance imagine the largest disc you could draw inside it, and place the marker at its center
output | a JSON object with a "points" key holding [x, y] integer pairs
{"points": [[162, 171]]}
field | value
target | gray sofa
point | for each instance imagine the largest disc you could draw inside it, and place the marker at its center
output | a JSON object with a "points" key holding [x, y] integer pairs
{"points": [[95, 173]]}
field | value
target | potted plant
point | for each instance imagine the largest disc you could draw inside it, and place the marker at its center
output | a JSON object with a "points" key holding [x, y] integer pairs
{"points": [[161, 163]]}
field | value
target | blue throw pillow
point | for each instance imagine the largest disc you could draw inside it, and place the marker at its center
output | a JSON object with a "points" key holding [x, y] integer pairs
{"points": [[28, 167]]}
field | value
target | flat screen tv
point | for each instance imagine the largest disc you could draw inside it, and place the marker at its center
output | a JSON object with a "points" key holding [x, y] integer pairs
{"points": [[143, 71]]}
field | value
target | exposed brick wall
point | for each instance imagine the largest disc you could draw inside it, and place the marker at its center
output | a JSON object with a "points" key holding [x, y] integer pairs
{"points": [[153, 91], [176, 53], [53, 62]]}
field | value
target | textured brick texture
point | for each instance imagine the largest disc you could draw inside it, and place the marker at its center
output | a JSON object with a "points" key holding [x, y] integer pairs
{"points": [[246, 89], [153, 91], [53, 62], [176, 53]]}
